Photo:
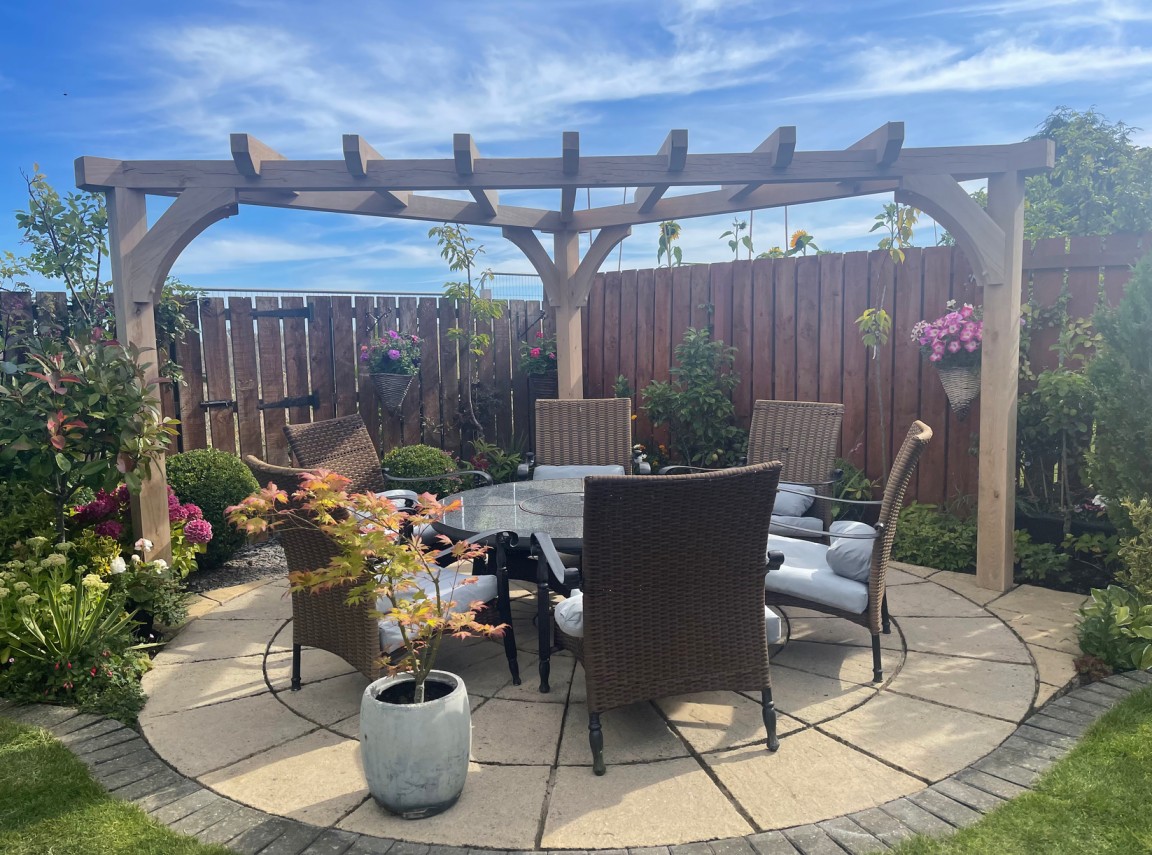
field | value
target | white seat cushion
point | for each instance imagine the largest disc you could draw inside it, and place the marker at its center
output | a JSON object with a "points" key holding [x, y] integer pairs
{"points": [[806, 574], [793, 500], [570, 618], [787, 525], [551, 473], [452, 587]]}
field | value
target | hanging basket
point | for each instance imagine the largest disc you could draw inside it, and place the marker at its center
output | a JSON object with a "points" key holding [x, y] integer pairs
{"points": [[542, 386], [391, 389], [962, 386]]}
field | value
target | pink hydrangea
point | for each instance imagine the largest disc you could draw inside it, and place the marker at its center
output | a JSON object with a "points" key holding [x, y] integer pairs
{"points": [[109, 528], [176, 513], [192, 512], [198, 531]]}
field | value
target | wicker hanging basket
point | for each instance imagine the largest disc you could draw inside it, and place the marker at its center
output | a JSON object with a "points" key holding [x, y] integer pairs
{"points": [[391, 389], [962, 386]]}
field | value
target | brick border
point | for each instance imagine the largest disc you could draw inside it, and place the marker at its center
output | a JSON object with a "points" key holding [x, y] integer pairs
{"points": [[125, 764]]}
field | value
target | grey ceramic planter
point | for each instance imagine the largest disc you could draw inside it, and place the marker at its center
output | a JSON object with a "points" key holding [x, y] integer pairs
{"points": [[416, 755]]}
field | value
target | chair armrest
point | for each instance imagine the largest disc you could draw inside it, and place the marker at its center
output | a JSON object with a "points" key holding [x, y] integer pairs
{"points": [[552, 569], [493, 537], [640, 464], [774, 561], [834, 477], [403, 499], [810, 533], [524, 470]]}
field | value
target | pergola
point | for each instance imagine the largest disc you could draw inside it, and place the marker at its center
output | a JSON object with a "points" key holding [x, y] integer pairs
{"points": [[773, 175]]}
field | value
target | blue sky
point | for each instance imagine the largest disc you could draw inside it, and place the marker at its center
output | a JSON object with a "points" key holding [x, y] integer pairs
{"points": [[136, 80]]}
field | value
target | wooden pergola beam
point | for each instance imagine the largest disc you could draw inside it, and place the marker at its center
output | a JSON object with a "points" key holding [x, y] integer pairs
{"points": [[886, 141], [961, 162], [570, 157], [780, 146], [465, 154], [249, 154], [675, 149], [357, 153]]}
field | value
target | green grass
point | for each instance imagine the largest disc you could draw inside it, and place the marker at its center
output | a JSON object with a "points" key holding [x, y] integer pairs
{"points": [[49, 805], [1096, 801]]}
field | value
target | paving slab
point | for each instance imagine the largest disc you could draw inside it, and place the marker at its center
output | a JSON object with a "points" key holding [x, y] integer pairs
{"points": [[928, 599], [632, 734], [224, 595], [315, 779], [965, 585], [916, 818], [925, 739], [811, 778], [839, 661], [232, 826], [812, 840], [831, 630], [205, 738], [812, 698], [1045, 692], [516, 732], [899, 577], [1042, 617], [1053, 666], [852, 837], [978, 638], [327, 701], [948, 809], [499, 808], [769, 843], [263, 603], [882, 825], [559, 679], [914, 569], [662, 803], [997, 689], [181, 686], [204, 639], [315, 664], [718, 721]]}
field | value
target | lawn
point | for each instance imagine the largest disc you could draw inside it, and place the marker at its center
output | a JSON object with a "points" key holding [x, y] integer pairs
{"points": [[1095, 800], [49, 804]]}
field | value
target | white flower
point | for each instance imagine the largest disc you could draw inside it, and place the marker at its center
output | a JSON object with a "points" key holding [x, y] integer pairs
{"points": [[143, 545], [118, 565], [160, 565], [136, 559]]}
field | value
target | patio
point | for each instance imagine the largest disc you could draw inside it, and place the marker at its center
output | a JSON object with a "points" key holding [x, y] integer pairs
{"points": [[965, 666]]}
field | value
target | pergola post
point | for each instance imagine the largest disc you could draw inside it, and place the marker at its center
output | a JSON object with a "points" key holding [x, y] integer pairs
{"points": [[999, 373], [136, 324], [569, 331]]}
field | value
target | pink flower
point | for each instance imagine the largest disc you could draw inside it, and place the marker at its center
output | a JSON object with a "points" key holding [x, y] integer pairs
{"points": [[534, 352], [971, 347], [393, 354], [935, 357], [198, 531], [192, 512], [109, 528], [539, 334], [393, 334], [551, 355], [938, 347], [177, 513], [968, 331], [966, 312], [954, 347]]}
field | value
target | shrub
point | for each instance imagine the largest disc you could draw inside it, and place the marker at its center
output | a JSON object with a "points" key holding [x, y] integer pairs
{"points": [[697, 405], [853, 485], [1121, 375], [422, 461], [24, 512], [1115, 627], [1136, 551], [213, 480], [935, 538]]}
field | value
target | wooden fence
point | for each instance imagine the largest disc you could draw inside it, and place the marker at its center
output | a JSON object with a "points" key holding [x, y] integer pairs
{"points": [[253, 365]]}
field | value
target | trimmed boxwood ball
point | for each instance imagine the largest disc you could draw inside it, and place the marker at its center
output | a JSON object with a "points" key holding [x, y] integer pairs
{"points": [[214, 480], [417, 461]]}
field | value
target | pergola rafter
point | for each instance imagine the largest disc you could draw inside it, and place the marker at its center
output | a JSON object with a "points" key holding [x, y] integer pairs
{"points": [[775, 174]]}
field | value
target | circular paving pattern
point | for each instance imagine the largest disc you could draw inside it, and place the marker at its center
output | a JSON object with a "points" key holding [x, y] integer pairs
{"points": [[692, 768]]}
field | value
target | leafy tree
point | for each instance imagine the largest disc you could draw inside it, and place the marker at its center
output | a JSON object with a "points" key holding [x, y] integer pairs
{"points": [[1101, 184], [461, 252]]}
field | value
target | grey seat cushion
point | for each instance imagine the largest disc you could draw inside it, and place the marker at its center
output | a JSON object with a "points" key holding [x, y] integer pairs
{"points": [[452, 587], [570, 618], [787, 526], [793, 500], [851, 557], [551, 473], [806, 574]]}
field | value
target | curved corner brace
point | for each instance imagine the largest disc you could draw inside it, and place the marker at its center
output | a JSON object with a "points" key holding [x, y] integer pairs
{"points": [[606, 241], [528, 243], [943, 199], [193, 211]]}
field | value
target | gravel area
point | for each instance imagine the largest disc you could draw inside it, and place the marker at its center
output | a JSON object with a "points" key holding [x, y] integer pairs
{"points": [[251, 562]]}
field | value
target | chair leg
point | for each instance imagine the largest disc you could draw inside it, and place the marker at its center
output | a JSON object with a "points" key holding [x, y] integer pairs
{"points": [[544, 630], [295, 667], [769, 713], [596, 740], [877, 670], [885, 618], [504, 607]]}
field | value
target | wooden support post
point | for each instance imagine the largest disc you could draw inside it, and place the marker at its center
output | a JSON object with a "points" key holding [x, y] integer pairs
{"points": [[569, 334], [998, 391], [136, 324]]}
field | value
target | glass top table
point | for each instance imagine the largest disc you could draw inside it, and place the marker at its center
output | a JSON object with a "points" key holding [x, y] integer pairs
{"points": [[552, 507]]}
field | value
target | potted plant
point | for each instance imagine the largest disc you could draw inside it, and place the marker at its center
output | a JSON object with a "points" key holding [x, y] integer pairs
{"points": [[538, 361], [415, 723], [952, 342], [391, 361]]}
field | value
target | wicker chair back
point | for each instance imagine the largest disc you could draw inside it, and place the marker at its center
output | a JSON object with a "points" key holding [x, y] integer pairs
{"points": [[341, 445], [584, 432], [805, 437]]}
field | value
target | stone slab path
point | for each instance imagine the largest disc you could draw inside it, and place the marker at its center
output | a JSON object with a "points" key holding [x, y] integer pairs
{"points": [[240, 759]]}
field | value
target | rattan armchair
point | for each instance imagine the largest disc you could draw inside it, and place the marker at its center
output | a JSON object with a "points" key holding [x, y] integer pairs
{"points": [[583, 432], [345, 447], [664, 610], [325, 620], [807, 580], [805, 437]]}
